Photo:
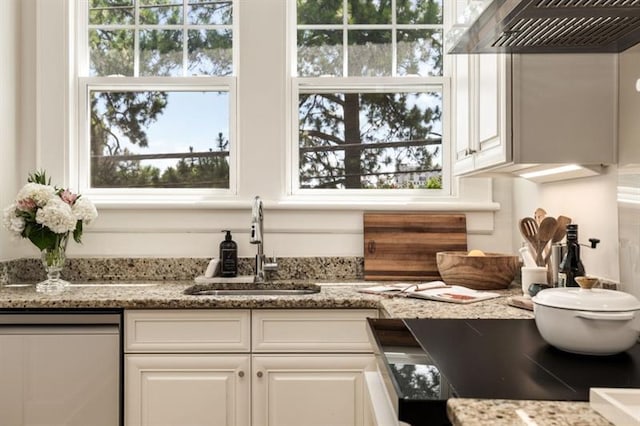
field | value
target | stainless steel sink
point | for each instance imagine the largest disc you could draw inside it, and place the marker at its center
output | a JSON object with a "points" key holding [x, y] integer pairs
{"points": [[276, 288]]}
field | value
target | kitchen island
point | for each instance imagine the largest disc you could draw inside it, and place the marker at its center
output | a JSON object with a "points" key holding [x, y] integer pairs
{"points": [[169, 295]]}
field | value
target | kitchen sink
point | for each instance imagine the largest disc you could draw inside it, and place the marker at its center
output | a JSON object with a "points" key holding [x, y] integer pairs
{"points": [[272, 288]]}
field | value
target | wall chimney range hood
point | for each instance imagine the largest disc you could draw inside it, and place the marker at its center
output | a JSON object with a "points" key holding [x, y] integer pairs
{"points": [[547, 26]]}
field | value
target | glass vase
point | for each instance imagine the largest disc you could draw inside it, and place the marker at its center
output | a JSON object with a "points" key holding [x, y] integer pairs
{"points": [[53, 260]]}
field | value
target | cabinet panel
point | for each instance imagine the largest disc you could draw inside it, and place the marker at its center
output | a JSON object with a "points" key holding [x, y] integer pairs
{"points": [[307, 390], [493, 130], [203, 390], [318, 330], [59, 379], [187, 331], [488, 99], [462, 116], [481, 110], [564, 108]]}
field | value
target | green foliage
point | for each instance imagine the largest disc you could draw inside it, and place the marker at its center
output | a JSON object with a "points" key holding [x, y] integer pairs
{"points": [[319, 11], [128, 114], [39, 176], [359, 121], [40, 236], [434, 182]]}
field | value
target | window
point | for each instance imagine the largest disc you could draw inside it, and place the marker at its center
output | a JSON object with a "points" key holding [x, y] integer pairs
{"points": [[369, 90], [157, 93]]}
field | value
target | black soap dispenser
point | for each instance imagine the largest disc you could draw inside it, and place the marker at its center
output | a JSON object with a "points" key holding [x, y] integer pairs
{"points": [[228, 256]]}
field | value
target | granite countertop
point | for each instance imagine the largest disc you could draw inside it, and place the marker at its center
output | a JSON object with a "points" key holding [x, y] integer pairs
{"points": [[501, 412], [168, 294]]}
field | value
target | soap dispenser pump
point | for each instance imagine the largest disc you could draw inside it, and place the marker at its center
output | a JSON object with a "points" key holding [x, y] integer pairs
{"points": [[228, 256]]}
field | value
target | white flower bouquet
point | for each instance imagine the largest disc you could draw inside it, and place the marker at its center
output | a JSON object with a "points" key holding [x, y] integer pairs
{"points": [[46, 215]]}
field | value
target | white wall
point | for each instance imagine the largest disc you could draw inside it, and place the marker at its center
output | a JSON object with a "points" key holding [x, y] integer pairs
{"points": [[9, 107], [591, 203], [629, 171], [290, 230], [194, 230]]}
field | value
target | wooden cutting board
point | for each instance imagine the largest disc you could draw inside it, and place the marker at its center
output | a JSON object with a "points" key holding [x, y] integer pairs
{"points": [[403, 246]]}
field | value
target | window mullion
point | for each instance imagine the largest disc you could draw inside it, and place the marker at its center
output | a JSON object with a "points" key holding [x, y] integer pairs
{"points": [[185, 39], [136, 39], [394, 40], [345, 38]]}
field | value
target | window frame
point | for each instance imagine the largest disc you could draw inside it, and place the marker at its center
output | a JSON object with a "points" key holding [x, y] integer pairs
{"points": [[356, 84], [84, 84]]}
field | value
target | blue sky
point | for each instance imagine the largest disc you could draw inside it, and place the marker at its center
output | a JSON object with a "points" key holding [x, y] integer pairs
{"points": [[189, 119]]}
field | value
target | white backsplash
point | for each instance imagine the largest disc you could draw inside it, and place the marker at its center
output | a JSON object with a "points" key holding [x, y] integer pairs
{"points": [[589, 202], [629, 223]]}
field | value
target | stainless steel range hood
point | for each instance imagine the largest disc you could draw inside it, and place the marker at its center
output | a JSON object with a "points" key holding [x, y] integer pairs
{"points": [[547, 26]]}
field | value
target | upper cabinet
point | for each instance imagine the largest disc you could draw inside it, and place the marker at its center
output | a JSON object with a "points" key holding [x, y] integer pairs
{"points": [[481, 125], [518, 113], [629, 88]]}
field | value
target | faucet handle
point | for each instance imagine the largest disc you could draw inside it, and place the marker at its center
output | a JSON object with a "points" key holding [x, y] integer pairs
{"points": [[271, 264]]}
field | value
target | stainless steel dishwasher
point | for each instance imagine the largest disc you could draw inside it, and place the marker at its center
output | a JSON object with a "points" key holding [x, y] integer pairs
{"points": [[60, 368]]}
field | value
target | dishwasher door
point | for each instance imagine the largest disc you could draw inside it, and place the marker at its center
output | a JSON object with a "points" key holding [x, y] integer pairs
{"points": [[60, 369]]}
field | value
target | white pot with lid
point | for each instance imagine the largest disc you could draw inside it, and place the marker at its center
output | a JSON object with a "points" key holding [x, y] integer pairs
{"points": [[587, 321]]}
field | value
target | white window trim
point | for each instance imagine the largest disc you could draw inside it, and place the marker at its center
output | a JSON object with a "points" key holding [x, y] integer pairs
{"points": [[408, 84], [422, 198], [79, 151], [56, 124], [86, 84]]}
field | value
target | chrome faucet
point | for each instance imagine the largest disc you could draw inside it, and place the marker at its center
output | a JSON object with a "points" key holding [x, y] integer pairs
{"points": [[257, 237]]}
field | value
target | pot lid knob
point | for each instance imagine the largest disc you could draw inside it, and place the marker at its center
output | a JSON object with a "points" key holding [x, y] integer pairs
{"points": [[586, 283]]}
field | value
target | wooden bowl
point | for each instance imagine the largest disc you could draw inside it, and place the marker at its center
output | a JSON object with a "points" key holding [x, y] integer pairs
{"points": [[489, 272]]}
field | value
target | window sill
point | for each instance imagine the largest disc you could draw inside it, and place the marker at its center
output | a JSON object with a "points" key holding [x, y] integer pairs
{"points": [[294, 203]]}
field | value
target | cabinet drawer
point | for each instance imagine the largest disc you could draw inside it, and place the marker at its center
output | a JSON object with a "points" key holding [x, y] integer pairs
{"points": [[321, 330], [187, 331]]}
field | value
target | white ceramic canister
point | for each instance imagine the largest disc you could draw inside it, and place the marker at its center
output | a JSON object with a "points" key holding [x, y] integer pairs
{"points": [[532, 274]]}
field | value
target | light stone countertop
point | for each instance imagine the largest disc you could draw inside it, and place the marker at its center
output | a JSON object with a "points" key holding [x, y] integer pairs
{"points": [[169, 295], [501, 412]]}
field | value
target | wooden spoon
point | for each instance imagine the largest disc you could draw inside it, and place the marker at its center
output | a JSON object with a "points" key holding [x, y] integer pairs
{"points": [[546, 231], [561, 231], [539, 215], [529, 230]]}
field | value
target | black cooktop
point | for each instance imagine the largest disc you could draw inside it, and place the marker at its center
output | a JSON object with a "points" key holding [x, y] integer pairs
{"points": [[496, 359]]}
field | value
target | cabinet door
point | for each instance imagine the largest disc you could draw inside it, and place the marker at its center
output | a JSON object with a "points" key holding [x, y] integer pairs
{"points": [[491, 110], [461, 130], [310, 390], [202, 390], [482, 111]]}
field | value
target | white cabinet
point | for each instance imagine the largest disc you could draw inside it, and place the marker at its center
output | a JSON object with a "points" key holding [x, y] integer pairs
{"points": [[296, 381], [512, 112], [199, 367], [179, 369], [310, 390], [481, 119], [187, 389], [311, 330], [182, 331]]}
